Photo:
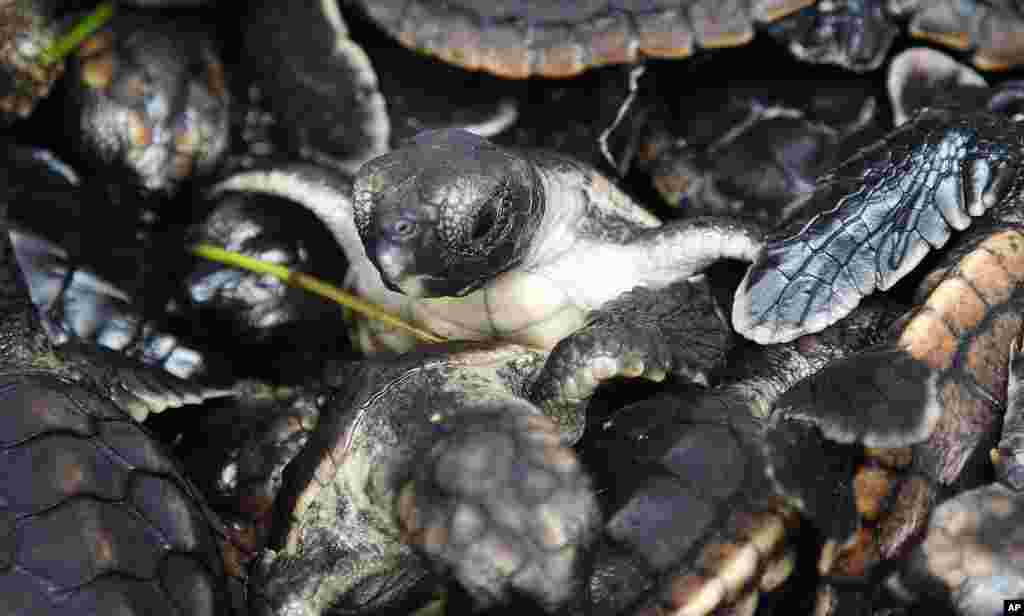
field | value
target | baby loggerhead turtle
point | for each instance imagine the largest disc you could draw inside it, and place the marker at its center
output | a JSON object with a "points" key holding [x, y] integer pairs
{"points": [[474, 241], [96, 516]]}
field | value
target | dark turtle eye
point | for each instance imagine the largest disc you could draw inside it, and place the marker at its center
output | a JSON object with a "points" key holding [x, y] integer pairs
{"points": [[488, 215], [485, 221], [403, 228]]}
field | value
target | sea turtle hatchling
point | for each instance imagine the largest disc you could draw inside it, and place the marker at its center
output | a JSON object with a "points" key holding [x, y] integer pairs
{"points": [[561, 39], [440, 452], [96, 516], [473, 241], [973, 547], [937, 385]]}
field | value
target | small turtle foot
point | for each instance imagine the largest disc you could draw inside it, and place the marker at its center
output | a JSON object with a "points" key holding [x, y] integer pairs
{"points": [[972, 554], [647, 333], [505, 508]]}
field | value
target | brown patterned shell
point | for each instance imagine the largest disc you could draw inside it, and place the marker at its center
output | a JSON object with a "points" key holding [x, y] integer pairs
{"points": [[95, 519], [523, 38], [992, 31], [971, 309]]}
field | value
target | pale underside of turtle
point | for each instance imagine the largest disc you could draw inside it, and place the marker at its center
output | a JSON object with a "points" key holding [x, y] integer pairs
{"points": [[519, 39], [592, 245]]}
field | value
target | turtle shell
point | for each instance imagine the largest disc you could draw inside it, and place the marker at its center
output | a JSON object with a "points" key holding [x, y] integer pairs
{"points": [[938, 385], [95, 516], [523, 38]]}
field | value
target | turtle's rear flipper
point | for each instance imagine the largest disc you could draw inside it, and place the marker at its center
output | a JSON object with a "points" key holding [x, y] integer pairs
{"points": [[972, 551], [650, 333], [882, 212], [882, 397], [1008, 456], [504, 507], [136, 388]]}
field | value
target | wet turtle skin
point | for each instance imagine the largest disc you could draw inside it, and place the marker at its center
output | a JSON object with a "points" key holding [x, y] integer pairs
{"points": [[558, 39], [151, 100], [27, 28], [720, 480], [473, 479], [755, 153], [97, 517], [435, 453]]}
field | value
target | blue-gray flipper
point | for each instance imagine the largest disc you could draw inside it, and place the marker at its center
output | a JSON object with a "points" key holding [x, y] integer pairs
{"points": [[881, 213]]}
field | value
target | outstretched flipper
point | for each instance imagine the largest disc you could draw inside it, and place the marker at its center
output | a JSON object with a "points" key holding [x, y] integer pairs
{"points": [[644, 333], [136, 388], [881, 398], [894, 203], [505, 507], [938, 380]]}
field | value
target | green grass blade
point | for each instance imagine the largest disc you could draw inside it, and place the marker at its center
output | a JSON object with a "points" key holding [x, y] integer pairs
{"points": [[82, 30], [312, 284]]}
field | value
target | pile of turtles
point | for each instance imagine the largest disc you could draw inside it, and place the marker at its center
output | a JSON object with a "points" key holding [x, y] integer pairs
{"points": [[672, 330]]}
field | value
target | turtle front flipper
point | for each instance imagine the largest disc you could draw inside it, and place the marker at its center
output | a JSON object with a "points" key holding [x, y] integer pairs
{"points": [[502, 505], [943, 363], [134, 387], [646, 333], [971, 553], [882, 212], [431, 460]]}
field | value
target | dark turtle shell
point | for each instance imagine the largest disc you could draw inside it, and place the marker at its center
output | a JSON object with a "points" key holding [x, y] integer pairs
{"points": [[96, 518]]}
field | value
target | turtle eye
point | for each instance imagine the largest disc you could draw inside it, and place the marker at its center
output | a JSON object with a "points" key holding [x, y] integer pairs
{"points": [[403, 229], [487, 217], [485, 221]]}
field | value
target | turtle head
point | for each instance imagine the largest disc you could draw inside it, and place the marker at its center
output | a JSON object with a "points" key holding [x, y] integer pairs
{"points": [[446, 213]]}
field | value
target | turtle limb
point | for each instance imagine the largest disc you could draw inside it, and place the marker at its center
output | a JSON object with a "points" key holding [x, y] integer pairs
{"points": [[136, 388], [646, 333], [971, 554], [894, 203], [343, 119], [1008, 456], [855, 36], [919, 76], [503, 506], [993, 31]]}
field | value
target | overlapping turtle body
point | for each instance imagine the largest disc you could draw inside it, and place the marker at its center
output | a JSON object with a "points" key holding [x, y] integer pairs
{"points": [[97, 517], [474, 241], [558, 39], [937, 385]]}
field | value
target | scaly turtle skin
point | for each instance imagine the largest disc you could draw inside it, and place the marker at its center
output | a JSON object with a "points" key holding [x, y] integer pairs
{"points": [[705, 488], [435, 453], [338, 105], [474, 241], [559, 39], [96, 517], [972, 551], [27, 28], [755, 153], [441, 452], [936, 388], [151, 98]]}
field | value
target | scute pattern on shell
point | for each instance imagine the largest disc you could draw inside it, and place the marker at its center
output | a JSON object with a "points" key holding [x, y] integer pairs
{"points": [[95, 515]]}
